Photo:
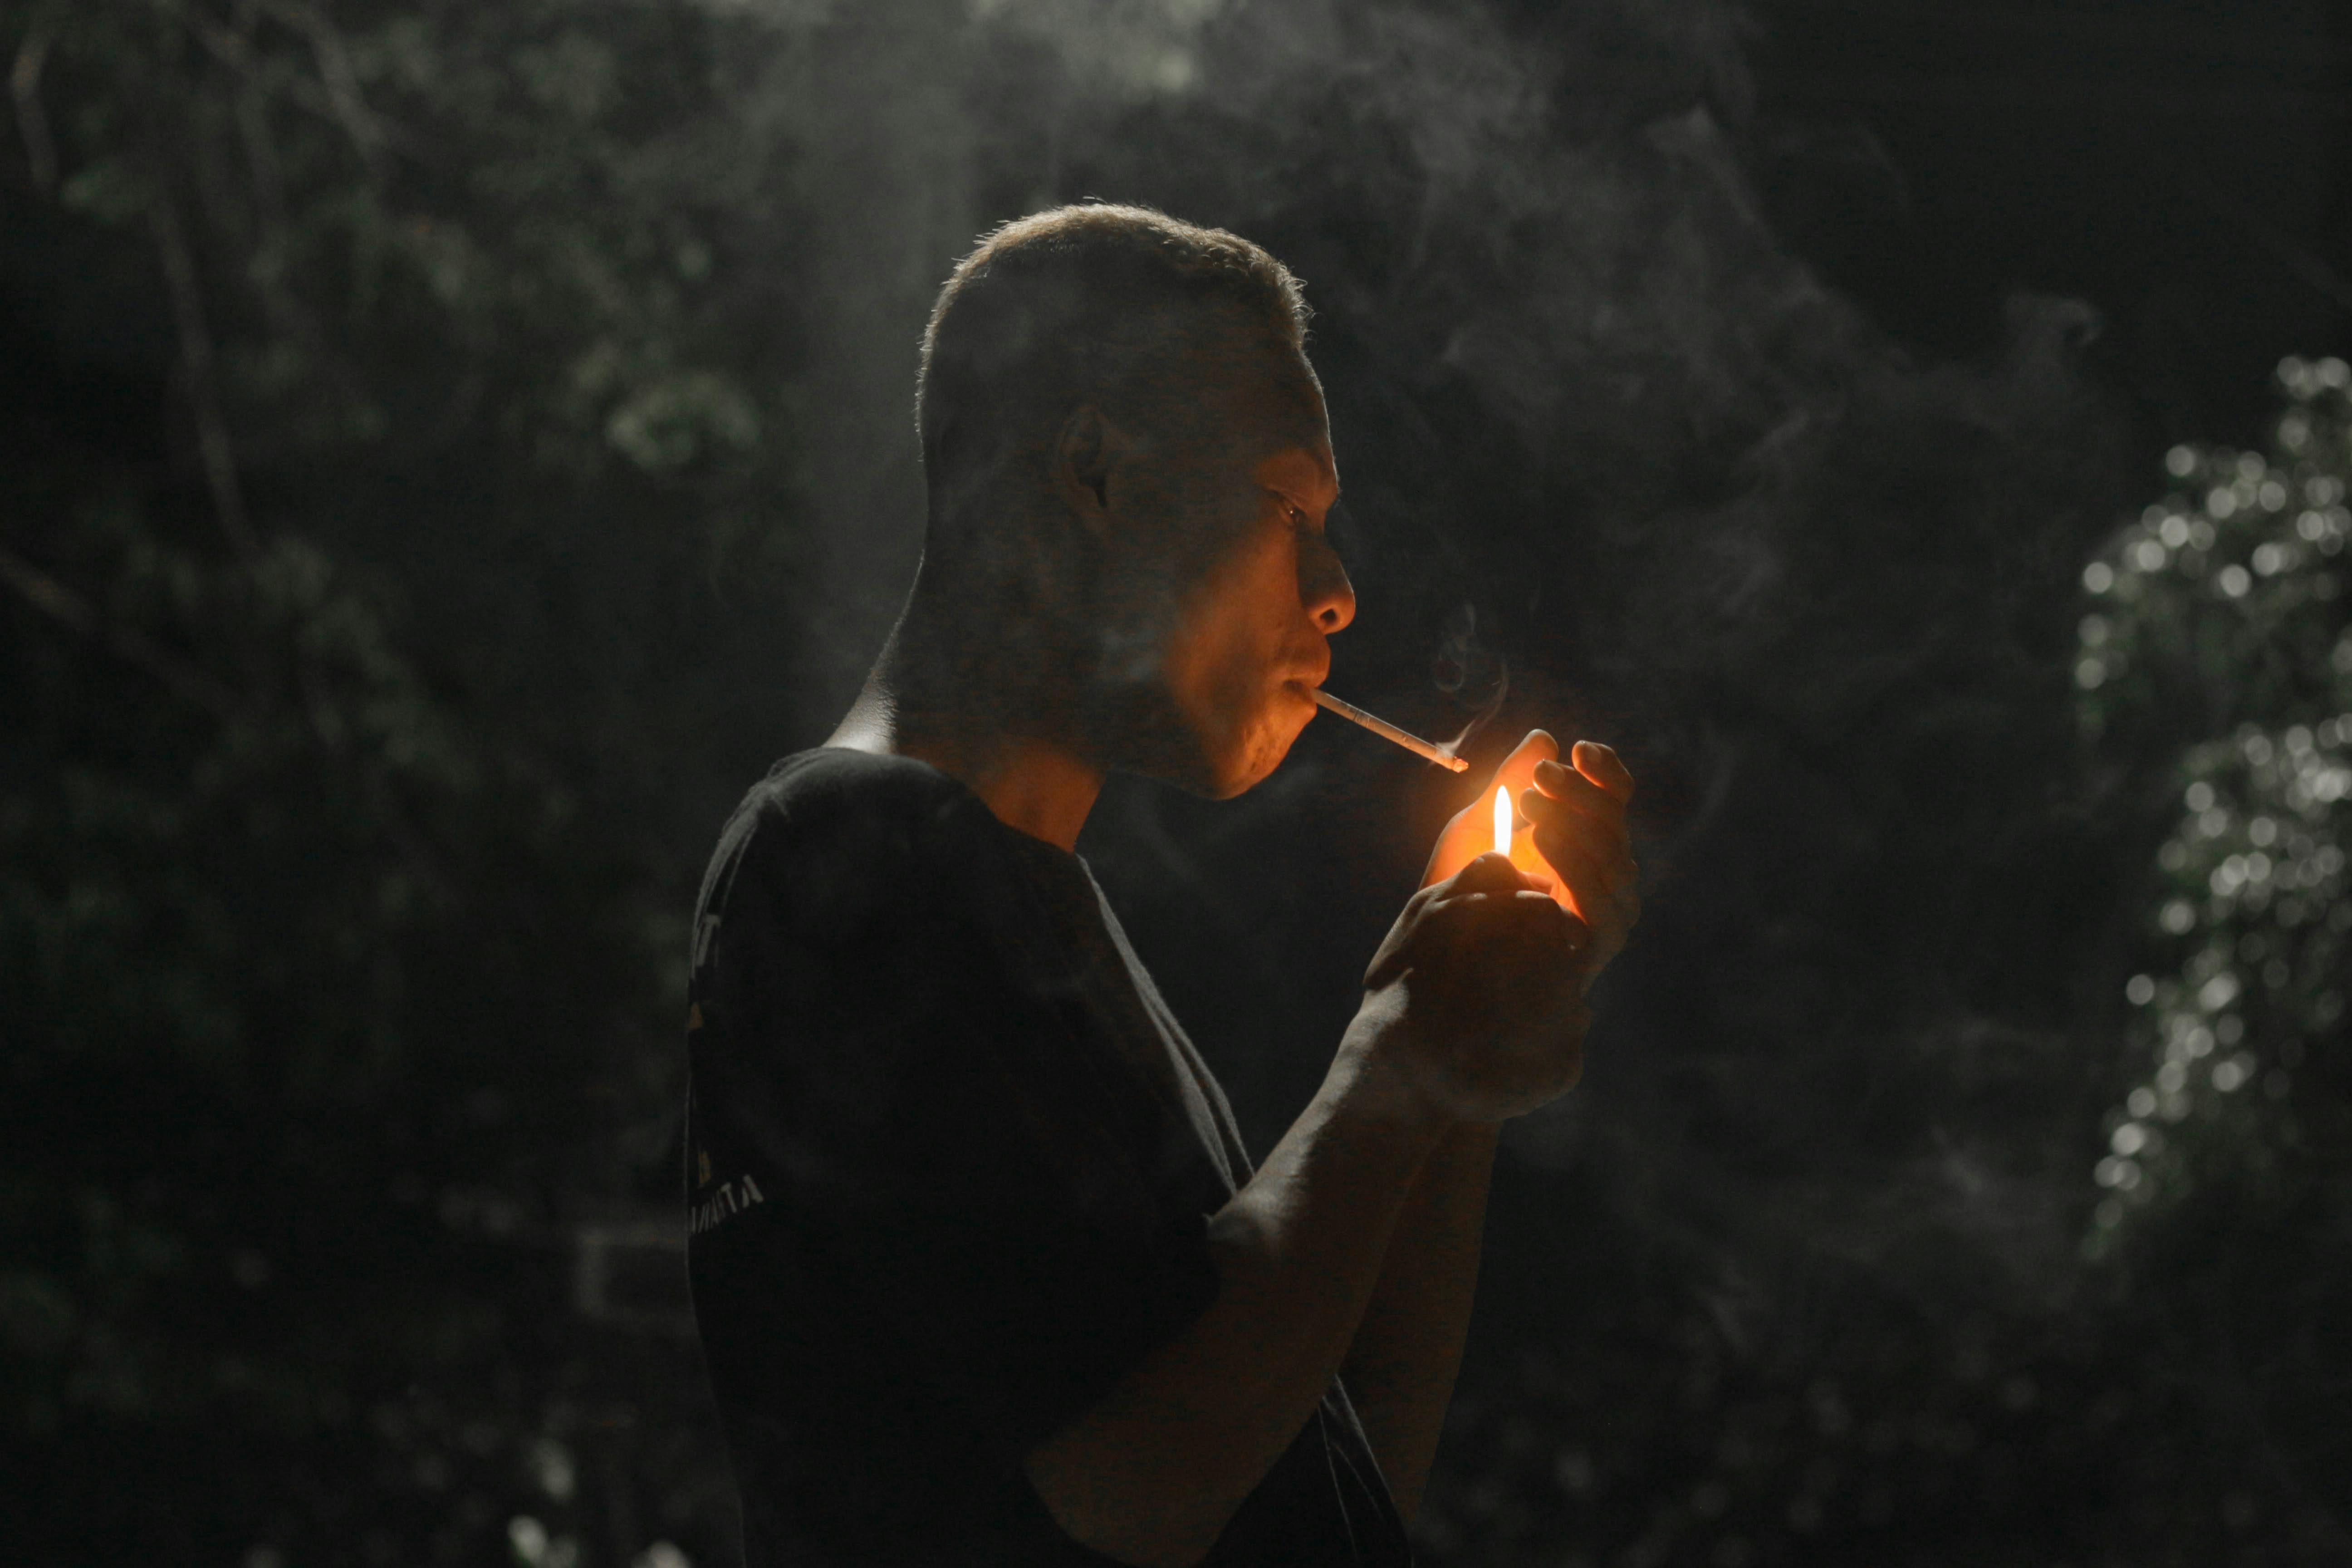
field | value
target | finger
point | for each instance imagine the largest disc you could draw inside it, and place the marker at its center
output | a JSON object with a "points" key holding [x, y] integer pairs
{"points": [[1604, 767], [1556, 823], [1487, 873], [1570, 941], [1531, 918], [1601, 881], [1595, 818], [1561, 782], [1610, 864], [1553, 923], [1588, 892], [1518, 770], [1568, 828], [1578, 933], [1581, 862]]}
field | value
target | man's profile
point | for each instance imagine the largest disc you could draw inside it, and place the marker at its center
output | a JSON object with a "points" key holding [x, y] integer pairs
{"points": [[983, 1272]]}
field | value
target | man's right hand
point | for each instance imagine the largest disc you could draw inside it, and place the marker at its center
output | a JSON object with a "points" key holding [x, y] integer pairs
{"points": [[1474, 1005]]}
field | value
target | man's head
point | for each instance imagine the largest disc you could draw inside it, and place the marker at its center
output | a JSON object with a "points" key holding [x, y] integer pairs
{"points": [[1129, 469]]}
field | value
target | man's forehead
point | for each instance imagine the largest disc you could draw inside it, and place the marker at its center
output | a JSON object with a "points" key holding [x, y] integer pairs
{"points": [[1302, 468], [1275, 399], [1243, 391]]}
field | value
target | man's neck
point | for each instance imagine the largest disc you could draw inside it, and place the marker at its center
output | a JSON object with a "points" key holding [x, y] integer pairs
{"points": [[1041, 787]]}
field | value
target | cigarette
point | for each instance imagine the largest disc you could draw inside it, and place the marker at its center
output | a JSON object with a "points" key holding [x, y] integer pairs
{"points": [[1389, 732]]}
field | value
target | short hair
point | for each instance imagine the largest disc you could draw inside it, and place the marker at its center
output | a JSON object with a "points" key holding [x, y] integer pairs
{"points": [[1073, 303]]}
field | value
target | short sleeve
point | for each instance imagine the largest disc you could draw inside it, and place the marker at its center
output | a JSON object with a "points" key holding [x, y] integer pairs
{"points": [[956, 1232]]}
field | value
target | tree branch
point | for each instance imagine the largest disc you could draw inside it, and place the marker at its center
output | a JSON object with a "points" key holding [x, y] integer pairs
{"points": [[32, 120], [62, 604], [196, 352], [337, 98], [342, 84]]}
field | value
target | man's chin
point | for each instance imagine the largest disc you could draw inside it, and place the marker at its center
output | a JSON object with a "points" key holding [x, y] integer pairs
{"points": [[1212, 772], [1207, 776], [1253, 761], [1155, 741]]}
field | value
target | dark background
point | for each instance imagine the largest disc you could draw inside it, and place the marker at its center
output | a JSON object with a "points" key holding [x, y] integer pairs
{"points": [[451, 449]]}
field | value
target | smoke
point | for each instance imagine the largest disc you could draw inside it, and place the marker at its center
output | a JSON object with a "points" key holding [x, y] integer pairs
{"points": [[1471, 671], [1618, 463], [1124, 49]]}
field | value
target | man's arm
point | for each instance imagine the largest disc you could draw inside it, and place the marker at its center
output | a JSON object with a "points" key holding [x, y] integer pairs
{"points": [[1150, 1474], [1472, 1014], [1401, 1368]]}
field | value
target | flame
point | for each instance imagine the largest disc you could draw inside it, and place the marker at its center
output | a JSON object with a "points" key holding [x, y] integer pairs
{"points": [[1502, 820]]}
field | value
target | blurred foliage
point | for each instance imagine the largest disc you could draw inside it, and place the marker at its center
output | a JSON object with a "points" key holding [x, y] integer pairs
{"points": [[2227, 601], [2224, 613], [2180, 1402], [452, 436], [335, 1007], [298, 1071]]}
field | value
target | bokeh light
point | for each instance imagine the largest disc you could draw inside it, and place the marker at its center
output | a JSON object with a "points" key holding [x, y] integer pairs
{"points": [[2251, 914]]}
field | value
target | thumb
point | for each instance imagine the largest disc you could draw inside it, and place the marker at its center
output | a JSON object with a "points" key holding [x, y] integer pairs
{"points": [[1518, 770]]}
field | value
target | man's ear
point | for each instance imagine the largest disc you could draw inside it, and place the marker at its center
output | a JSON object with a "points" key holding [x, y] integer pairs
{"points": [[1084, 455]]}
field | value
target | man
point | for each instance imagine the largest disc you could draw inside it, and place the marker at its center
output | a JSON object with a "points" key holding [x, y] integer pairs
{"points": [[983, 1272]]}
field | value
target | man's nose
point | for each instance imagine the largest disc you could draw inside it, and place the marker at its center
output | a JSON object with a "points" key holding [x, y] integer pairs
{"points": [[1323, 586]]}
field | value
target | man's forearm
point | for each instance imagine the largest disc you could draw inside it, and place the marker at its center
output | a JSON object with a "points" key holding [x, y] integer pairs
{"points": [[1400, 1371], [1152, 1473]]}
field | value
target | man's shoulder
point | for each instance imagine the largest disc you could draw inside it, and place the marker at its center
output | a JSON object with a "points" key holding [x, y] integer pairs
{"points": [[830, 819], [832, 786]]}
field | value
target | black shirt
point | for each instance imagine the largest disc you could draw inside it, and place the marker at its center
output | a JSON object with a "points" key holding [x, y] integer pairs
{"points": [[949, 1162]]}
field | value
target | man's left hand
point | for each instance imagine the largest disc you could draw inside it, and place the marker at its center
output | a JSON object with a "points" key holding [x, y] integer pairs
{"points": [[1578, 810]]}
